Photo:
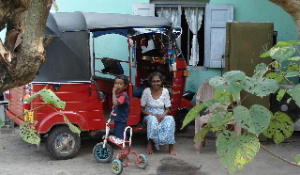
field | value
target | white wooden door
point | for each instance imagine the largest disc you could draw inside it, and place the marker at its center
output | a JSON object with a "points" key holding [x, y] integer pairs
{"points": [[216, 17], [143, 9]]}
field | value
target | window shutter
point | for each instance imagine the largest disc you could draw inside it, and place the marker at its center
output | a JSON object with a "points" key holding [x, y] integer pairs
{"points": [[216, 17]]}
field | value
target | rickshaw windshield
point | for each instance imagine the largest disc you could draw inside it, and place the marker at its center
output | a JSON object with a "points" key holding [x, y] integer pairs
{"points": [[117, 51], [129, 32], [140, 31]]}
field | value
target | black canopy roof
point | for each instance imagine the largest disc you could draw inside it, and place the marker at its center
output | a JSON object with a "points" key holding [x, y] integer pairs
{"points": [[58, 23], [68, 54]]}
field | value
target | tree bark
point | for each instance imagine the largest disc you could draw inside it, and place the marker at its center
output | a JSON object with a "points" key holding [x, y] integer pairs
{"points": [[292, 7], [23, 52]]}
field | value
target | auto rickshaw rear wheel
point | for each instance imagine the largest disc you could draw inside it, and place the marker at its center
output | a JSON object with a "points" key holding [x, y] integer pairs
{"points": [[62, 143]]}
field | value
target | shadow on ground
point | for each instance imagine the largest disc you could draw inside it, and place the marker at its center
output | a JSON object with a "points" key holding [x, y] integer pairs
{"points": [[170, 165]]}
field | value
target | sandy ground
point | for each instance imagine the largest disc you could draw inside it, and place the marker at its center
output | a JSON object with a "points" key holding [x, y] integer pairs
{"points": [[20, 158]]}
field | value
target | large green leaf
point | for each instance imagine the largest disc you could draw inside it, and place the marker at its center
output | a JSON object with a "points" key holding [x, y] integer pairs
{"points": [[219, 119], [297, 158], [72, 127], [286, 43], [236, 152], [232, 81], [296, 94], [292, 74], [280, 78], [200, 135], [261, 86], [260, 70], [280, 94], [255, 120], [28, 100], [192, 114], [265, 55], [293, 66], [211, 104], [28, 133], [281, 54], [296, 58], [272, 75], [280, 128], [49, 97], [225, 97]]}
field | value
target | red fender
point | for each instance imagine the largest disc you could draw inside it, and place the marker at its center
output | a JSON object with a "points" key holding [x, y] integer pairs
{"points": [[185, 104], [56, 118]]}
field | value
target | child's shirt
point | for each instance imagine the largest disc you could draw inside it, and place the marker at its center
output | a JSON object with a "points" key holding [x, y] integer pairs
{"points": [[120, 112]]}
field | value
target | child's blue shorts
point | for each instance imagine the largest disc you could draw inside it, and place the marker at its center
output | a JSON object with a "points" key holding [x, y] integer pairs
{"points": [[119, 129]]}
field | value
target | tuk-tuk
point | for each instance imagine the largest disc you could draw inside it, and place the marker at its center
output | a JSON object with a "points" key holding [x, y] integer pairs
{"points": [[85, 54]]}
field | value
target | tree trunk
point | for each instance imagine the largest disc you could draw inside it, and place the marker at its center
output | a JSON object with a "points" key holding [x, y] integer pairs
{"points": [[23, 52], [292, 7]]}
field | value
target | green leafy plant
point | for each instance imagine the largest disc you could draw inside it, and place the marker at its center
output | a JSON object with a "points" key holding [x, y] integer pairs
{"points": [[238, 150], [27, 128], [28, 133]]}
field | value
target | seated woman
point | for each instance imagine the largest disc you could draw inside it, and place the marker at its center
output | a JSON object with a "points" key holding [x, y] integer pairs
{"points": [[155, 106]]}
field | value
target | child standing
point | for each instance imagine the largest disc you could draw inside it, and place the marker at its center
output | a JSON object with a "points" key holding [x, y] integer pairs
{"points": [[120, 102], [120, 109]]}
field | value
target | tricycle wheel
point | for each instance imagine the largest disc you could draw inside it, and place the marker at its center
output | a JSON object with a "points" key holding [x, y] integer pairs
{"points": [[101, 154], [144, 161], [117, 166], [62, 143]]}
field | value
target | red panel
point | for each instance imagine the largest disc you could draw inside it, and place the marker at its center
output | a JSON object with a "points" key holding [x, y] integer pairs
{"points": [[15, 105]]}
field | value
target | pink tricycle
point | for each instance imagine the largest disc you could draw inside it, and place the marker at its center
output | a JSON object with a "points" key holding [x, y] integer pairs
{"points": [[103, 152]]}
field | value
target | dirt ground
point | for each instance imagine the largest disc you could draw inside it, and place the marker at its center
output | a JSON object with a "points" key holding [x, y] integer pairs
{"points": [[20, 158]]}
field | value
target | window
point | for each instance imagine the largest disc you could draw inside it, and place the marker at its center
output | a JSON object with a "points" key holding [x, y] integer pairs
{"points": [[203, 44], [190, 19]]}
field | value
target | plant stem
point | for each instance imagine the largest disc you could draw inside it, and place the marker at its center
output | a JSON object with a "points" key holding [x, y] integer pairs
{"points": [[279, 157], [28, 111]]}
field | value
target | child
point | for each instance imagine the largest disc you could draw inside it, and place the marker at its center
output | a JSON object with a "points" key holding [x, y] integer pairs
{"points": [[120, 110], [120, 105]]}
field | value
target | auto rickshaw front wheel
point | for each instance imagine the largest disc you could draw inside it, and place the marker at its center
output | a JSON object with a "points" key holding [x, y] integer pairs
{"points": [[62, 143]]}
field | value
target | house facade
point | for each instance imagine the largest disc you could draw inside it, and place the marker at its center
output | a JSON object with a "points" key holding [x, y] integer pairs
{"points": [[202, 43]]}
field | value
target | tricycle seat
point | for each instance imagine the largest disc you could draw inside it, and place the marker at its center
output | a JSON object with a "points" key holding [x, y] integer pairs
{"points": [[116, 140]]}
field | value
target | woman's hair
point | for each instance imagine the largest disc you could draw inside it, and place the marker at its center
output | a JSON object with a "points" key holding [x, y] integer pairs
{"points": [[154, 74], [124, 78]]}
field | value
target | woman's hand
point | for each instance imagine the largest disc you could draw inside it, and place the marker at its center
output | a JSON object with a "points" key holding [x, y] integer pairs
{"points": [[159, 117]]}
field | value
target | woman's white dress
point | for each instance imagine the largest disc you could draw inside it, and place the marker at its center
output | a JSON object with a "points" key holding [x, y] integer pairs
{"points": [[164, 132]]}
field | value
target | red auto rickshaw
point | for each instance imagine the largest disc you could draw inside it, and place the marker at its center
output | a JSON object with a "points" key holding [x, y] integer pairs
{"points": [[86, 52]]}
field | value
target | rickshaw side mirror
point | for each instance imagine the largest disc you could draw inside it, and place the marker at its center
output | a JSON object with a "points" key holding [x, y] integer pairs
{"points": [[177, 31]]}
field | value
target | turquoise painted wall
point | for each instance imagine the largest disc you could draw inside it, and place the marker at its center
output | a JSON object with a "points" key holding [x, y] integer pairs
{"points": [[101, 6], [265, 11], [254, 11], [197, 77]]}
